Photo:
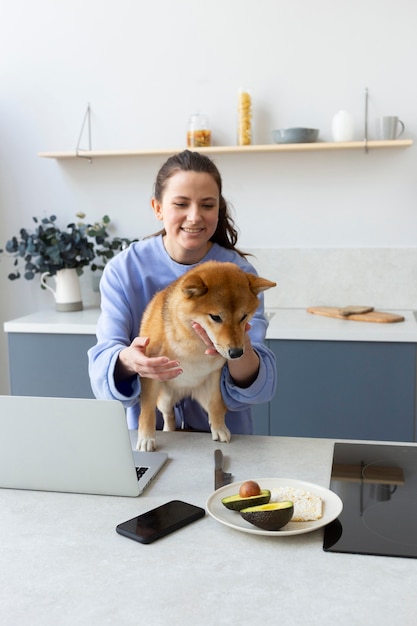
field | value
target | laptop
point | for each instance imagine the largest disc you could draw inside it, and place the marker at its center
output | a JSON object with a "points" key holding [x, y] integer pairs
{"points": [[71, 445]]}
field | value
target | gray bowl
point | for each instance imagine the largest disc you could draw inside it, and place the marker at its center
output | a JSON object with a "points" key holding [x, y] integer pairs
{"points": [[295, 135]]}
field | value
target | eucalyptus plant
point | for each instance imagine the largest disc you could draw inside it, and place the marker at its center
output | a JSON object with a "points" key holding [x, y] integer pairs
{"points": [[48, 248], [106, 247]]}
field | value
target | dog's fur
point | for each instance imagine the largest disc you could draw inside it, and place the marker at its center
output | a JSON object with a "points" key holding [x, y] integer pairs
{"points": [[222, 298]]}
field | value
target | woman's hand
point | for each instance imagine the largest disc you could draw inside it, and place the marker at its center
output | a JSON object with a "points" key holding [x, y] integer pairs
{"points": [[243, 370], [133, 360], [205, 338]]}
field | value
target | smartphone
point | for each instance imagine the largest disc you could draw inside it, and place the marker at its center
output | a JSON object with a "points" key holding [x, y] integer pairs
{"points": [[161, 521]]}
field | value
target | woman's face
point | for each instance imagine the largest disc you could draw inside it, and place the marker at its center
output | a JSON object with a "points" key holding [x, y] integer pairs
{"points": [[190, 211]]}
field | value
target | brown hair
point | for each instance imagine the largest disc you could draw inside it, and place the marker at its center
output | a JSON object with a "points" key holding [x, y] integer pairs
{"points": [[226, 233]]}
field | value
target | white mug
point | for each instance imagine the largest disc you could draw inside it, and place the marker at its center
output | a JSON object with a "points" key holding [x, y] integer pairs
{"points": [[389, 127]]}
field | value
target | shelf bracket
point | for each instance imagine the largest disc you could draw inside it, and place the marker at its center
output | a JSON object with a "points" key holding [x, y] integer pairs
{"points": [[86, 122], [366, 120]]}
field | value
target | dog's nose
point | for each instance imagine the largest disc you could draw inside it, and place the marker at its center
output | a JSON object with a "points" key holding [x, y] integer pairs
{"points": [[235, 353]]}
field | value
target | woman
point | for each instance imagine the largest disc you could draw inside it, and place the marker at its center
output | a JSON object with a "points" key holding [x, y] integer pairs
{"points": [[197, 227]]}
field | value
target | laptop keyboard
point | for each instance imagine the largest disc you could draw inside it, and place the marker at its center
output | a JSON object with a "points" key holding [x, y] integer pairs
{"points": [[140, 471]]}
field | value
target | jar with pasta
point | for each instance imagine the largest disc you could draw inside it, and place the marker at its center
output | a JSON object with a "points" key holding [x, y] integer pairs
{"points": [[244, 131], [199, 133]]}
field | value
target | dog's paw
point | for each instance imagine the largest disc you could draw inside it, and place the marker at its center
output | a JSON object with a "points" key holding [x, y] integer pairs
{"points": [[146, 444], [221, 434]]}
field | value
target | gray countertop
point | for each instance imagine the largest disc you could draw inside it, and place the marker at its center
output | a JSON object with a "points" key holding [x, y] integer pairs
{"points": [[64, 564], [285, 323]]}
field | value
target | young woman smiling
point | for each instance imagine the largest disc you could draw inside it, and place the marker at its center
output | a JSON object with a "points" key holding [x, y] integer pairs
{"points": [[197, 227]]}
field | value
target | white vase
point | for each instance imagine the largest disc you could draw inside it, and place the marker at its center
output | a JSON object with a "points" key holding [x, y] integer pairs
{"points": [[342, 126], [67, 292]]}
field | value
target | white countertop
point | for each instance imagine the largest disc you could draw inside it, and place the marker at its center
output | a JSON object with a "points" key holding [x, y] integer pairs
{"points": [[299, 324], [54, 322], [284, 324], [64, 564]]}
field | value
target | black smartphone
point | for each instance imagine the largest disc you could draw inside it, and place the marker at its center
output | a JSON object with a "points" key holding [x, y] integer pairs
{"points": [[161, 521]]}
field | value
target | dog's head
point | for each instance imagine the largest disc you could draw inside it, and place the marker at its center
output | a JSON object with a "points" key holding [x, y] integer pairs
{"points": [[222, 298]]}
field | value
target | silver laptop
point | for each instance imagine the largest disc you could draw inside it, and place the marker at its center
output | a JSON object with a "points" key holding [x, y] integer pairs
{"points": [[71, 445]]}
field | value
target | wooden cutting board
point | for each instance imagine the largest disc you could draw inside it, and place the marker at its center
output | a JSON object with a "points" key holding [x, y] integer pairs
{"points": [[373, 316]]}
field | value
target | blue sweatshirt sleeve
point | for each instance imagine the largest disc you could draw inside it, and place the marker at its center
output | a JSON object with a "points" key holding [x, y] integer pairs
{"points": [[116, 329], [263, 388]]}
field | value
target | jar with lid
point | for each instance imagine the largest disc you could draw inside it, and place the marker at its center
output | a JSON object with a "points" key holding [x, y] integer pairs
{"points": [[199, 133], [244, 129]]}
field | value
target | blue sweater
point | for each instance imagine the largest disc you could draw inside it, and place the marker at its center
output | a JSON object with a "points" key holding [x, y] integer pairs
{"points": [[128, 283]]}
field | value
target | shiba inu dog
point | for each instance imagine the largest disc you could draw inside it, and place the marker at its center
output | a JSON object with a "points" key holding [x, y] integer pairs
{"points": [[222, 298]]}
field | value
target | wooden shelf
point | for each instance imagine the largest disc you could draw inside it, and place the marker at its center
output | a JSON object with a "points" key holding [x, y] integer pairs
{"points": [[289, 147]]}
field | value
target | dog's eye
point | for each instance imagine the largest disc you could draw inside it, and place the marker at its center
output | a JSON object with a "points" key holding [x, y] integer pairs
{"points": [[216, 318], [244, 317]]}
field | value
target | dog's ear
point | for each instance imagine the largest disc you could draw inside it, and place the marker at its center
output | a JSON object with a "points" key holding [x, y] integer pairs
{"points": [[194, 287], [258, 284]]}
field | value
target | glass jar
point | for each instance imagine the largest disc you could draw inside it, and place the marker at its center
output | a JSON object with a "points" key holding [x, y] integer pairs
{"points": [[199, 133], [244, 129]]}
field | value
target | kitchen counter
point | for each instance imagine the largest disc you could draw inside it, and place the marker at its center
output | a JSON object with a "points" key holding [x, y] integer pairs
{"points": [[64, 564], [337, 378], [283, 324], [299, 324], [52, 322]]}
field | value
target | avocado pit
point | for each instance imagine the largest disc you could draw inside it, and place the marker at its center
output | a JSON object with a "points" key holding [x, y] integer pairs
{"points": [[249, 488]]}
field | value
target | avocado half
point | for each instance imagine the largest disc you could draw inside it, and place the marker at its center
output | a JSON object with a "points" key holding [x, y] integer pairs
{"points": [[236, 502], [271, 516]]}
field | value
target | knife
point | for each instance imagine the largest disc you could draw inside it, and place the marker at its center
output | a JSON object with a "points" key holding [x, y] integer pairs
{"points": [[221, 478]]}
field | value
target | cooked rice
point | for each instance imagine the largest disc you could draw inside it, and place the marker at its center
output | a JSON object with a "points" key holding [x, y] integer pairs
{"points": [[307, 506]]}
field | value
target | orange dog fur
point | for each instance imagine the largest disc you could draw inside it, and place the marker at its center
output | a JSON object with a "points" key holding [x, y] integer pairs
{"points": [[222, 298]]}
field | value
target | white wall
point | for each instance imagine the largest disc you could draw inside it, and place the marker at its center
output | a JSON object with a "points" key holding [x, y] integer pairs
{"points": [[145, 66]]}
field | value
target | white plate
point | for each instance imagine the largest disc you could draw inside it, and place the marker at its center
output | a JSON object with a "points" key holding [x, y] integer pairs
{"points": [[332, 507]]}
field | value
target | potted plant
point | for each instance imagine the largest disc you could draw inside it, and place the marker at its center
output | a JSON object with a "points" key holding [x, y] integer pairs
{"points": [[106, 246], [49, 251]]}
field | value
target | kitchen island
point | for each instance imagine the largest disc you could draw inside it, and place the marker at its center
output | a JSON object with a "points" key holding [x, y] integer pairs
{"points": [[336, 378], [64, 564]]}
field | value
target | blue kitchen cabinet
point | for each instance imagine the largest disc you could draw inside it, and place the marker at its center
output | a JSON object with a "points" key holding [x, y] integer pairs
{"points": [[49, 364], [345, 389], [335, 389]]}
